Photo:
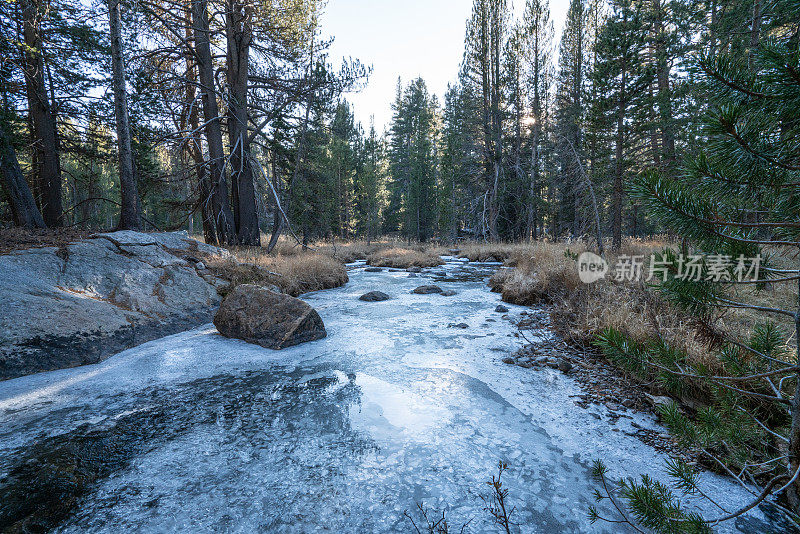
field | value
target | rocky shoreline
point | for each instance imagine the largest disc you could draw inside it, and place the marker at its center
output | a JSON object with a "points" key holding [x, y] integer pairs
{"points": [[604, 386]]}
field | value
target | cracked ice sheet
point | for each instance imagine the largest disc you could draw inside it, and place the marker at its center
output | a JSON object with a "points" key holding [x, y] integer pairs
{"points": [[392, 408]]}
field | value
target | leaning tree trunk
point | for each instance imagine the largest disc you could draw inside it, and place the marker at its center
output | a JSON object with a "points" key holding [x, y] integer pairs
{"points": [[223, 216], [23, 206], [42, 116], [129, 211], [239, 36]]}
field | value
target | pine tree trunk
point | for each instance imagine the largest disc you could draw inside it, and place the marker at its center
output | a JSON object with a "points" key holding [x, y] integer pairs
{"points": [[195, 145], [497, 126], [533, 193], [239, 36], [277, 219], [23, 206], [619, 168], [486, 93], [223, 216], [129, 211], [42, 116], [664, 92]]}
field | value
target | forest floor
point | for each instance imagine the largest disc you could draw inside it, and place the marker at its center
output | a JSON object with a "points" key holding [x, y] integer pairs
{"points": [[12, 239]]}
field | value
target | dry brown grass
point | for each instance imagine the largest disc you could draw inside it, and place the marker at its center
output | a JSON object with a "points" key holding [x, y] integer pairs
{"points": [[350, 251], [294, 274], [403, 258], [546, 273], [479, 251]]}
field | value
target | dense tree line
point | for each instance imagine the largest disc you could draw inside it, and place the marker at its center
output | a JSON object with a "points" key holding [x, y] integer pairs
{"points": [[162, 114], [237, 125]]}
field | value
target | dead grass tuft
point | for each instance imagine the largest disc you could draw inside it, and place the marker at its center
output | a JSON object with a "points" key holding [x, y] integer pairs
{"points": [[542, 273], [479, 251], [293, 274], [403, 258]]}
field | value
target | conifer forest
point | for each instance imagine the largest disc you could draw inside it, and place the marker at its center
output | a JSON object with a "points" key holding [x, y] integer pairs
{"points": [[559, 292]]}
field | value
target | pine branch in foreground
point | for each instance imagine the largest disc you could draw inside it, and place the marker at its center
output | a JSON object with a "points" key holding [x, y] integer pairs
{"points": [[736, 198]]}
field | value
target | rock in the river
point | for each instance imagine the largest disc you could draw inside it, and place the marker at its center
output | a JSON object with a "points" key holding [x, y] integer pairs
{"points": [[414, 270], [427, 290], [462, 326], [373, 270], [657, 401], [501, 309], [448, 293], [272, 320], [374, 296], [564, 366]]}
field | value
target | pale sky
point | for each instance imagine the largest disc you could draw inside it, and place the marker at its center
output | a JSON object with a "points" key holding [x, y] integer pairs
{"points": [[406, 38]]}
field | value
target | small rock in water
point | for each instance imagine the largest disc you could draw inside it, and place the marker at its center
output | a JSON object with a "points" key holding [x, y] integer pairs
{"points": [[501, 309], [373, 270], [463, 326], [374, 296], [427, 290], [657, 401], [200, 266], [564, 366], [509, 360], [448, 293], [412, 275], [628, 403], [414, 269], [492, 259]]}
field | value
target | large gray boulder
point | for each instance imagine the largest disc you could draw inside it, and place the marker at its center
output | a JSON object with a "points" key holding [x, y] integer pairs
{"points": [[82, 302], [273, 320]]}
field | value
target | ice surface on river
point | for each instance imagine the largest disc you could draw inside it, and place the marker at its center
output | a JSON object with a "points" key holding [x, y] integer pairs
{"points": [[395, 407]]}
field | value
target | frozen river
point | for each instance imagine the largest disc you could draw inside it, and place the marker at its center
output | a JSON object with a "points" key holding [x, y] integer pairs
{"points": [[198, 433]]}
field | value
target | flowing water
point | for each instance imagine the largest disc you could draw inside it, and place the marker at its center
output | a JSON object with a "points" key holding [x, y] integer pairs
{"points": [[397, 406]]}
